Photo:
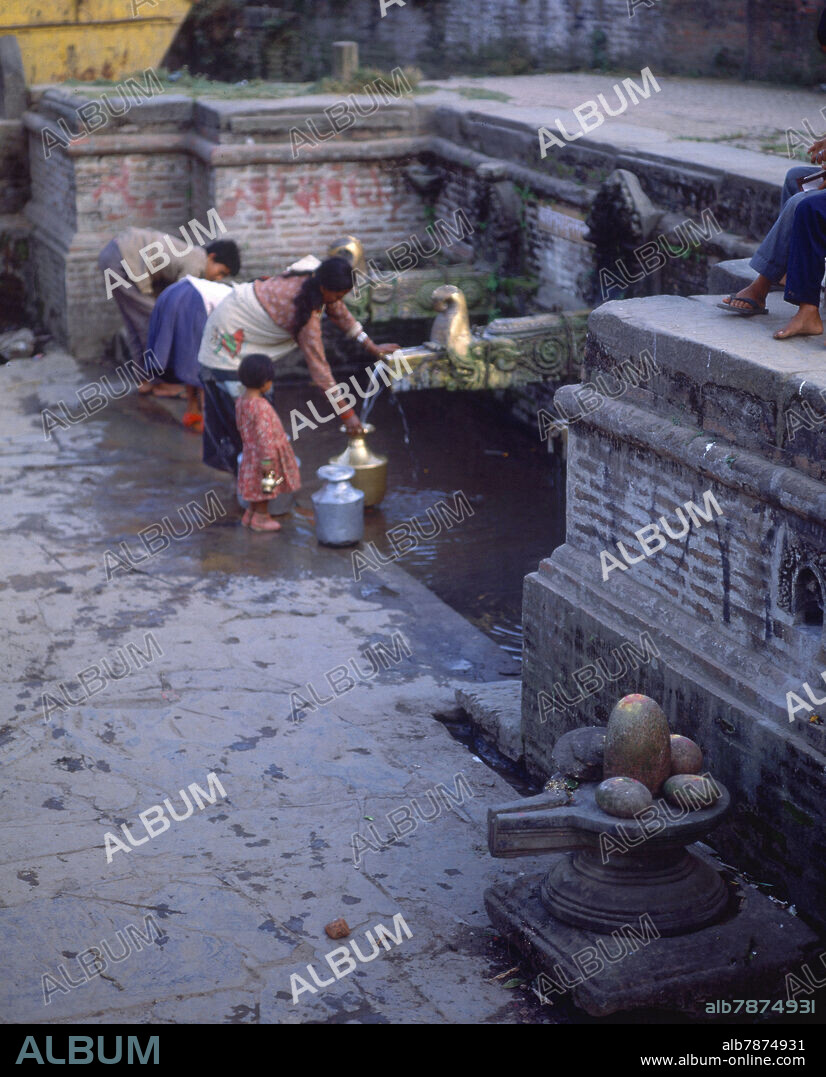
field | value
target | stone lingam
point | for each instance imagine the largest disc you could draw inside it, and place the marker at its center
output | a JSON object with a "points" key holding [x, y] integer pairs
{"points": [[621, 817]]}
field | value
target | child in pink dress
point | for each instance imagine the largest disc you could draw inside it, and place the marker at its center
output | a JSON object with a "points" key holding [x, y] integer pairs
{"points": [[264, 440]]}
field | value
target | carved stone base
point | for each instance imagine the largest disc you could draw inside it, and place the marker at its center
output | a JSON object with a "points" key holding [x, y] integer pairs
{"points": [[677, 890], [746, 956]]}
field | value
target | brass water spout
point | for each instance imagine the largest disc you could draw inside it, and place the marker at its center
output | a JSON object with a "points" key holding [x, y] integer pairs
{"points": [[451, 326]]}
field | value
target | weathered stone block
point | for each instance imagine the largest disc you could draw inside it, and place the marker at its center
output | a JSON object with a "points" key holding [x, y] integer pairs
{"points": [[345, 59]]}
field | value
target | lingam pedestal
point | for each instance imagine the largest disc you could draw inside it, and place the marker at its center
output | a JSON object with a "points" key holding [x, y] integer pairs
{"points": [[632, 913], [599, 887]]}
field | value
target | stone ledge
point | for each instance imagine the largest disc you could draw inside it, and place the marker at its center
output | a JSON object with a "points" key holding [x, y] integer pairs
{"points": [[389, 116], [496, 708], [724, 373], [741, 184], [225, 154], [169, 109], [720, 460]]}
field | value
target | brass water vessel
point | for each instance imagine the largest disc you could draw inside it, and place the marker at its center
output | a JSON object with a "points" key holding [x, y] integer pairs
{"points": [[370, 468]]}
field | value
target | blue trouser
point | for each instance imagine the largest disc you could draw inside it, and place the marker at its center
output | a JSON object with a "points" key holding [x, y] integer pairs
{"points": [[807, 252], [772, 256]]}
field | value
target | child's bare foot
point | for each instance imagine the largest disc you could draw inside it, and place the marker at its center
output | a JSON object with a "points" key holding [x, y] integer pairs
{"points": [[145, 388], [260, 521], [806, 323], [165, 388]]}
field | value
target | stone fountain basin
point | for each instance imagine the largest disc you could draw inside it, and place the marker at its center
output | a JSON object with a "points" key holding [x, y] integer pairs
{"points": [[536, 826]]}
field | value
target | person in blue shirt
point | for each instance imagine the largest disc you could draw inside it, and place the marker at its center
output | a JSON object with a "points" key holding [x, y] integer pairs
{"points": [[174, 337]]}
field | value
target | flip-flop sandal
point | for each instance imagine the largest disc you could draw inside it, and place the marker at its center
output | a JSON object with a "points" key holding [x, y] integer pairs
{"points": [[756, 308]]}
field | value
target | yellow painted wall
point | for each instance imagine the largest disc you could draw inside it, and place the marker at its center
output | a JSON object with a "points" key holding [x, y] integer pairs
{"points": [[89, 39]]}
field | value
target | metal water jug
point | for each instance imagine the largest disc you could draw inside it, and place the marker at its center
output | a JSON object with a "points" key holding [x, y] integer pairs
{"points": [[370, 467], [339, 509]]}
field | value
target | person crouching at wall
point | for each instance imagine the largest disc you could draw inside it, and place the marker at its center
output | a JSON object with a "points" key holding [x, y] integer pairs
{"points": [[135, 282], [267, 453]]}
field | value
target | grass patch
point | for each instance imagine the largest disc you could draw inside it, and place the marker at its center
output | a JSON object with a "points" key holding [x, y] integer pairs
{"points": [[361, 78], [780, 147], [480, 93], [182, 82], [741, 137]]}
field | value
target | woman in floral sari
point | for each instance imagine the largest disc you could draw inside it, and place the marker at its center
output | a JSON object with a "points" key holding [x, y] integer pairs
{"points": [[271, 316]]}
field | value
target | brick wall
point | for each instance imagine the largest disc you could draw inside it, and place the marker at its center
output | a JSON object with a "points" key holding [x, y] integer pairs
{"points": [[148, 189], [277, 212], [171, 161], [716, 571], [280, 212]]}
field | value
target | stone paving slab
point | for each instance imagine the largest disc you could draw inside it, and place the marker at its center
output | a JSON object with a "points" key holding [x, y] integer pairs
{"points": [[685, 119], [243, 887]]}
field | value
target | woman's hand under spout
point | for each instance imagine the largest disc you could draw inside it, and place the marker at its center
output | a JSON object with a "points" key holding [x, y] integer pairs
{"points": [[352, 423], [385, 349]]}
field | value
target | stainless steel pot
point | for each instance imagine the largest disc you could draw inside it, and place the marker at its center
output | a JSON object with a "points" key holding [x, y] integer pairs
{"points": [[339, 509]]}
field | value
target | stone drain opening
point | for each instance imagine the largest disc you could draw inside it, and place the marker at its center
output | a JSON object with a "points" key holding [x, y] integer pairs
{"points": [[461, 727], [808, 602]]}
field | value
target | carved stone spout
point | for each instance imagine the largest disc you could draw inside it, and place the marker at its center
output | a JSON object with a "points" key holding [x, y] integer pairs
{"points": [[451, 327], [508, 352]]}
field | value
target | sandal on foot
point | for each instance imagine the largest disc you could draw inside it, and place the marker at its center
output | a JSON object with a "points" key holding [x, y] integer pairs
{"points": [[245, 519], [756, 307], [195, 420], [260, 522]]}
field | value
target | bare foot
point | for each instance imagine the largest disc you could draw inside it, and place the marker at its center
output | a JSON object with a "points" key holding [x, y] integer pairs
{"points": [[260, 521], [806, 323], [144, 389], [167, 389]]}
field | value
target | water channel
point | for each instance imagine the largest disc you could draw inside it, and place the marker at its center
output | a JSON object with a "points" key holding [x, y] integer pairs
{"points": [[437, 442]]}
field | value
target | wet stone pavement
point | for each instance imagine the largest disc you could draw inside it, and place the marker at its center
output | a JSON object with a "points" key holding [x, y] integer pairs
{"points": [[241, 889]]}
